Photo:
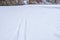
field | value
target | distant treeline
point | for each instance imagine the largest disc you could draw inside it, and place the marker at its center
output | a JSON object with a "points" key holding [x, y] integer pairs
{"points": [[10, 2], [21, 2]]}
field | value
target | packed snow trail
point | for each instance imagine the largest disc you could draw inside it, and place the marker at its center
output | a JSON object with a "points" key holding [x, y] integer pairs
{"points": [[30, 22]]}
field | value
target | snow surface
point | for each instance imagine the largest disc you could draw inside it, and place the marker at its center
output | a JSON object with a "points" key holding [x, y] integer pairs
{"points": [[30, 22]]}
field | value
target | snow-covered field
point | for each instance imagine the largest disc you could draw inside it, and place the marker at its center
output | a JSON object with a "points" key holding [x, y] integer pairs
{"points": [[30, 22]]}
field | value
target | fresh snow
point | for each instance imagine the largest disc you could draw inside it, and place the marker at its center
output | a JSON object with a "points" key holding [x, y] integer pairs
{"points": [[30, 22]]}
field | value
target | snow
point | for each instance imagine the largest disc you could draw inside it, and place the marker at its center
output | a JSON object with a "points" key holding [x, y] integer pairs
{"points": [[30, 22]]}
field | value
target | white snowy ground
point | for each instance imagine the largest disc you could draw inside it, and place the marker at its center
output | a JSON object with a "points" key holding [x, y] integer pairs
{"points": [[30, 22]]}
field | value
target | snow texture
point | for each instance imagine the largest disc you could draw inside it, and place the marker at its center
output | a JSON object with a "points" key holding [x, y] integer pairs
{"points": [[30, 22]]}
